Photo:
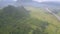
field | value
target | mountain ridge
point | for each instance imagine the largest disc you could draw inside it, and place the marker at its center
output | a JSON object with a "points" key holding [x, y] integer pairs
{"points": [[30, 3]]}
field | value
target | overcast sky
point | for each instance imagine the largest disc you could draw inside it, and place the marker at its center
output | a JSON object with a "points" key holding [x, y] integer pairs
{"points": [[47, 0], [37, 0], [8, 0]]}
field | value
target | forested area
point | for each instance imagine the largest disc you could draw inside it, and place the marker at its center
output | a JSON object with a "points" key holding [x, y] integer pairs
{"points": [[29, 17], [17, 20]]}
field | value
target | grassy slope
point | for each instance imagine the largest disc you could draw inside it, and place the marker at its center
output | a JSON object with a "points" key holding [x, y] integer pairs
{"points": [[42, 15], [59, 13], [39, 14]]}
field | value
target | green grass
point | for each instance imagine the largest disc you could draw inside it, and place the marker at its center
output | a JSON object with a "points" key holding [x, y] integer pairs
{"points": [[37, 17], [40, 14], [59, 13]]}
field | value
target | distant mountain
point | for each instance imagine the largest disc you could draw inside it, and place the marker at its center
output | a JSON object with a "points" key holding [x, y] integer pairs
{"points": [[5, 3], [29, 3], [24, 1], [37, 4], [52, 4]]}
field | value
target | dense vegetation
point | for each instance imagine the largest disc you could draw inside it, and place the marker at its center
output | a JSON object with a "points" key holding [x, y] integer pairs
{"points": [[9, 17], [18, 20], [29, 19], [42, 14]]}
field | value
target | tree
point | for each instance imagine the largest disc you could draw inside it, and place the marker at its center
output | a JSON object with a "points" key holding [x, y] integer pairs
{"points": [[37, 31], [10, 18], [43, 26]]}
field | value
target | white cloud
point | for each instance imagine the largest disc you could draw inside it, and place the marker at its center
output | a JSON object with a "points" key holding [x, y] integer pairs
{"points": [[14, 0], [46, 0], [39, 0]]}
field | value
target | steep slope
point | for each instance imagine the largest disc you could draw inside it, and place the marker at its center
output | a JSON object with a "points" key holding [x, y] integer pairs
{"points": [[36, 21], [11, 18]]}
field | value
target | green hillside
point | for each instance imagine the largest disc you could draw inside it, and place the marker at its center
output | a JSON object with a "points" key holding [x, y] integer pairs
{"points": [[41, 14], [32, 20], [59, 13]]}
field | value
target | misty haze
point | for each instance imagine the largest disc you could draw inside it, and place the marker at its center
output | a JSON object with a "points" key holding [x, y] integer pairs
{"points": [[29, 16]]}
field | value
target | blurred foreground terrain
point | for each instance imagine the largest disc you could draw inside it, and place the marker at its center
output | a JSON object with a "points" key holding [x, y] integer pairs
{"points": [[29, 17]]}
